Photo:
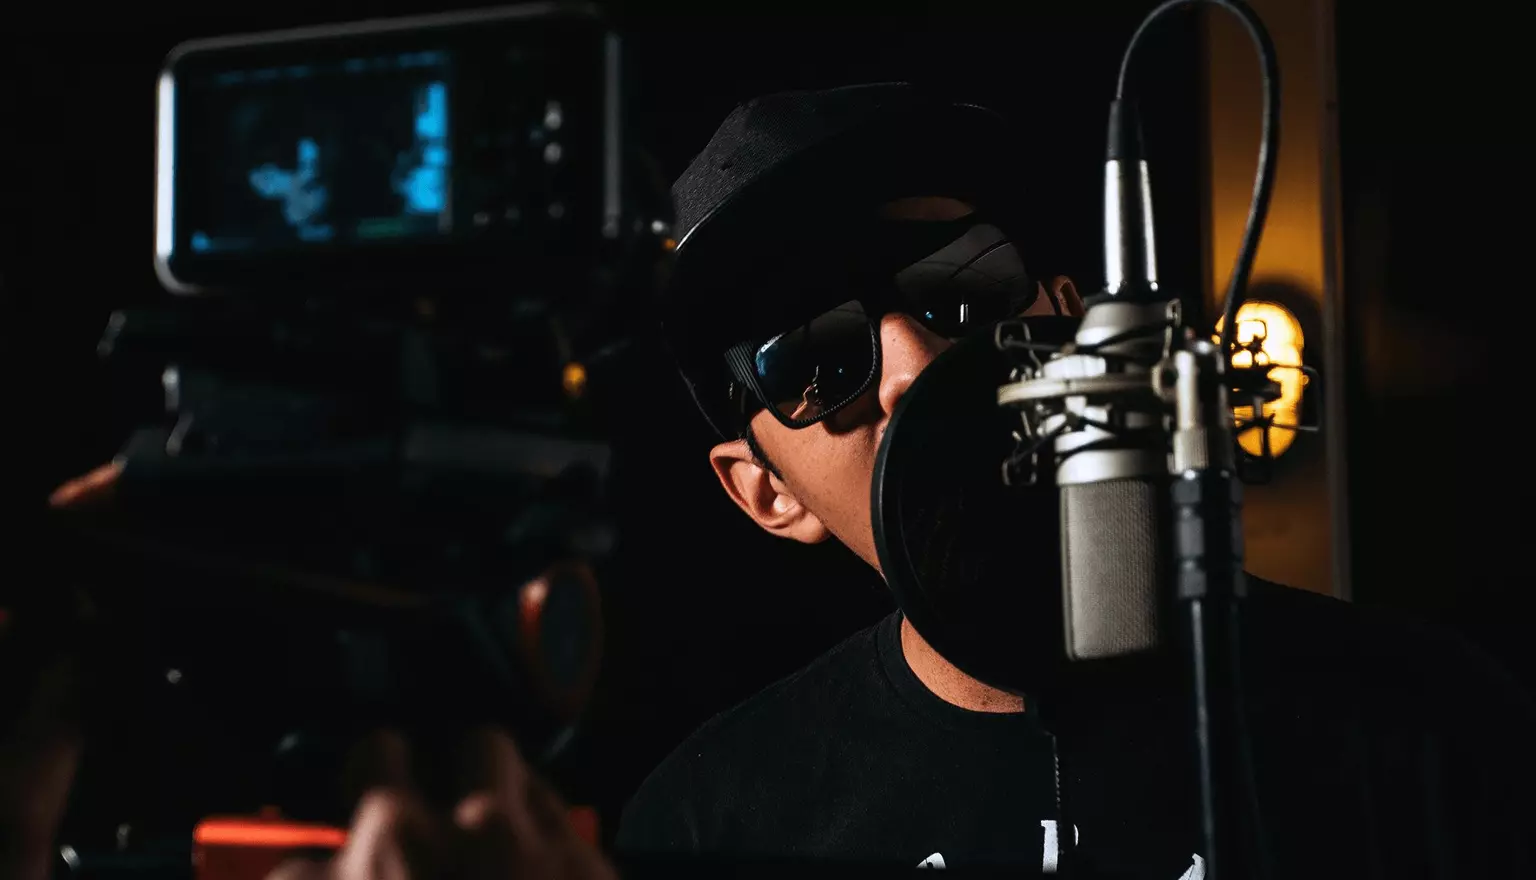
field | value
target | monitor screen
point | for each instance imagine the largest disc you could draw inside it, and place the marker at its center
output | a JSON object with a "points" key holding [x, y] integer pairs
{"points": [[340, 152]]}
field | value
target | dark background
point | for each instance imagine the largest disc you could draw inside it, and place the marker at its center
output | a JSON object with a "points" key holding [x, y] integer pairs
{"points": [[1435, 228], [711, 610]]}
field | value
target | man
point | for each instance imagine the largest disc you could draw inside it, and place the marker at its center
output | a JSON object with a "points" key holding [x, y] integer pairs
{"points": [[833, 245]]}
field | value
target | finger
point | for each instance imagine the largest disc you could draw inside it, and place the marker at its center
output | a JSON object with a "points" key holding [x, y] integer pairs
{"points": [[535, 839], [576, 856], [498, 779], [392, 836], [300, 869], [490, 840], [548, 809], [39, 754], [491, 764], [1073, 298], [92, 488], [380, 760], [498, 768], [511, 818], [585, 862]]}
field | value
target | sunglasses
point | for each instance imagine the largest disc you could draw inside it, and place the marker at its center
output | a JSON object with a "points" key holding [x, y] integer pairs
{"points": [[814, 369]]}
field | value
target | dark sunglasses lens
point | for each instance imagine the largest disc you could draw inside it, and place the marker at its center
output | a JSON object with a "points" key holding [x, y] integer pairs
{"points": [[819, 365], [975, 281]]}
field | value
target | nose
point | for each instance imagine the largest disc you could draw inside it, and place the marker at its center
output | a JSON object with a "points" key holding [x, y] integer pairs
{"points": [[906, 349]]}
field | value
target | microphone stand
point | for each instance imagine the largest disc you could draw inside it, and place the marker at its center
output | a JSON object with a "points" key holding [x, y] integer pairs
{"points": [[1193, 379], [1210, 586]]}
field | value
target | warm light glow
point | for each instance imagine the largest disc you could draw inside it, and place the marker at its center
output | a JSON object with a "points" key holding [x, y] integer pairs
{"points": [[1280, 343], [574, 379], [267, 833], [274, 833]]}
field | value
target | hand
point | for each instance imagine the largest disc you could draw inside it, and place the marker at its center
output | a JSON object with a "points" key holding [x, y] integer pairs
{"points": [[510, 826], [41, 674], [39, 751]]}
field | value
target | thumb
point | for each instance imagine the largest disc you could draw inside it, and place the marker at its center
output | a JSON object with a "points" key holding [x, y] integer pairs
{"points": [[392, 838], [300, 869]]}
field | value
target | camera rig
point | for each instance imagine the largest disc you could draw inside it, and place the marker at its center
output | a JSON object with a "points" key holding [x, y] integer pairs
{"points": [[402, 258]]}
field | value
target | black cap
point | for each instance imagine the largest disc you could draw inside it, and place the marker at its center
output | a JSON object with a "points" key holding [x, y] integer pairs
{"points": [[786, 187]]}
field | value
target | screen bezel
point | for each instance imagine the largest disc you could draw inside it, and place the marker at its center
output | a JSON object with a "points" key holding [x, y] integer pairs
{"points": [[401, 261]]}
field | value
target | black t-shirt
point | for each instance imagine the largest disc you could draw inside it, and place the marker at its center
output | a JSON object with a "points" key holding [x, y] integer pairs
{"points": [[1380, 750]]}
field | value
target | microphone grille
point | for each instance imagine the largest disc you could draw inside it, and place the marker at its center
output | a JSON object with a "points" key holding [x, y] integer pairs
{"points": [[1113, 547]]}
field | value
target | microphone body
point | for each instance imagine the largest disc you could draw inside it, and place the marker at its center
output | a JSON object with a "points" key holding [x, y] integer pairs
{"points": [[1111, 469], [1094, 408]]}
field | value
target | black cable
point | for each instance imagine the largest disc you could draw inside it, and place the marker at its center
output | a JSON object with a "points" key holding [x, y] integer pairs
{"points": [[1269, 140], [1264, 181]]}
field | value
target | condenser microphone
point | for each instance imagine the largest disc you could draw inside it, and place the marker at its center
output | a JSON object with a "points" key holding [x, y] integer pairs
{"points": [[1093, 409], [1133, 421]]}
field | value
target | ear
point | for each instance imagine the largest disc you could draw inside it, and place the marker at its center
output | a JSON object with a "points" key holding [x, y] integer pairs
{"points": [[763, 496], [1065, 292]]}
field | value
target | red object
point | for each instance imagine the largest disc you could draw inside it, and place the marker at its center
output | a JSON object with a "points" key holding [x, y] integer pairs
{"points": [[267, 833], [251, 847], [584, 821], [565, 698]]}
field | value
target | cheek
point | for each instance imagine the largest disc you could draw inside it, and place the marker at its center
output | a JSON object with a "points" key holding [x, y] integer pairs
{"points": [[830, 474], [831, 468]]}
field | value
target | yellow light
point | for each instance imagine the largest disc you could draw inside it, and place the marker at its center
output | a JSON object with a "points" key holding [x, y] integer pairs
{"points": [[1280, 343], [574, 379]]}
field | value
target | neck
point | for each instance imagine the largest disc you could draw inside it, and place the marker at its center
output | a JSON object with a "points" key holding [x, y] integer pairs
{"points": [[946, 680]]}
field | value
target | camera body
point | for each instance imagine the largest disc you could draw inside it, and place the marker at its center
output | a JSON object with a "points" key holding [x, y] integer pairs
{"points": [[402, 258], [444, 150]]}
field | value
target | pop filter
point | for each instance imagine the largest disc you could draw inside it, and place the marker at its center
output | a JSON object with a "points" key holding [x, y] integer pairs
{"points": [[974, 565]]}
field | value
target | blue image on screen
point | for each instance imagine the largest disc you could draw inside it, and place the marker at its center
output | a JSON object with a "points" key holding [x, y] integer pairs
{"points": [[311, 154], [424, 183], [299, 190]]}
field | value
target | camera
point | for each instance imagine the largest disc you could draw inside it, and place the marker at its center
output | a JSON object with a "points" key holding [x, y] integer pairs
{"points": [[390, 154], [403, 259]]}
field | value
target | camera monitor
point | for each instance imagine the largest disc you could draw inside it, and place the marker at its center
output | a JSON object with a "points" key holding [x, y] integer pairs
{"points": [[377, 152]]}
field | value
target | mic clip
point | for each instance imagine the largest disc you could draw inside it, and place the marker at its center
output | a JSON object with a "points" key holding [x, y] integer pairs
{"points": [[1065, 393]]}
